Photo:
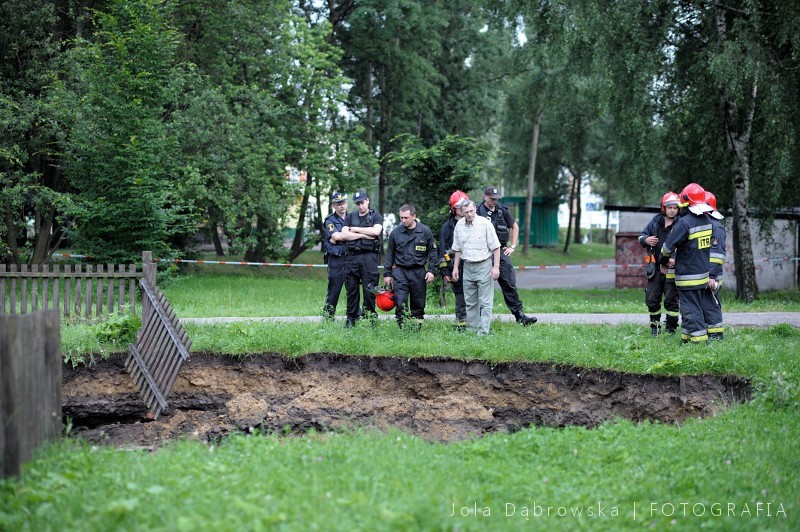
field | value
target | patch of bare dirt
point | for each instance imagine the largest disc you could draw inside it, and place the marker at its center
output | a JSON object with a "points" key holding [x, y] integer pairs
{"points": [[437, 399]]}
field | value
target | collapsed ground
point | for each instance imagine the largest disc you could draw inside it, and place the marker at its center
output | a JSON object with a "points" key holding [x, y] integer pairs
{"points": [[438, 399]]}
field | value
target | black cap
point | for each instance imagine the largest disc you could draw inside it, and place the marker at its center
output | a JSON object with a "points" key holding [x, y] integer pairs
{"points": [[338, 197], [492, 192], [361, 195]]}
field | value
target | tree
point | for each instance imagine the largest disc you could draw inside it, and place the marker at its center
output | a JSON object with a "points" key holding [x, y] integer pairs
{"points": [[116, 100]]}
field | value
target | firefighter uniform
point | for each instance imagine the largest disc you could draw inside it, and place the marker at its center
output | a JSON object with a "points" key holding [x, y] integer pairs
{"points": [[408, 252], [446, 268], [334, 258], [690, 243], [503, 221], [717, 259], [361, 266], [661, 284]]}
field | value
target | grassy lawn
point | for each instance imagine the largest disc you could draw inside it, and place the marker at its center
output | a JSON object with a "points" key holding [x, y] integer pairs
{"points": [[737, 471]]}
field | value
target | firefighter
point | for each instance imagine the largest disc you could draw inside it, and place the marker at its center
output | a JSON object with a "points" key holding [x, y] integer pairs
{"points": [[362, 231], [409, 249], [688, 250], [660, 280], [335, 249], [446, 253], [507, 232], [718, 241]]}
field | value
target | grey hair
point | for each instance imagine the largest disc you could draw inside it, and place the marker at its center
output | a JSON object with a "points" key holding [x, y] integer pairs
{"points": [[467, 203]]}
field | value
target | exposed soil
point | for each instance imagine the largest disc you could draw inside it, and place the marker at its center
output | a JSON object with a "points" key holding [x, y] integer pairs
{"points": [[437, 399]]}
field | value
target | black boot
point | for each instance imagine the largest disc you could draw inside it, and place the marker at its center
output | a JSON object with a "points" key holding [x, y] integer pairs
{"points": [[655, 330], [672, 324], [461, 326], [524, 320]]}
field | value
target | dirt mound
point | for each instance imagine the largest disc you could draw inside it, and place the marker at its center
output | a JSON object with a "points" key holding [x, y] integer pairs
{"points": [[437, 399]]}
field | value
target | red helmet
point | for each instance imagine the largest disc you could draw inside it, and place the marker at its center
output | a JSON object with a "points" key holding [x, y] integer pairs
{"points": [[456, 198], [670, 198], [385, 300], [711, 199], [692, 194]]}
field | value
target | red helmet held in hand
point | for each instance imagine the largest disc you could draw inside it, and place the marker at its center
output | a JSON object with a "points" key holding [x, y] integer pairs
{"points": [[670, 198], [385, 300]]}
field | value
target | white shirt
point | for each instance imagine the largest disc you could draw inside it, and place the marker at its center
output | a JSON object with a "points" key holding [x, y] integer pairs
{"points": [[475, 241]]}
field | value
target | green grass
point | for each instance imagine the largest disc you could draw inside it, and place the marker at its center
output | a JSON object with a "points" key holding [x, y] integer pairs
{"points": [[196, 296], [367, 480]]}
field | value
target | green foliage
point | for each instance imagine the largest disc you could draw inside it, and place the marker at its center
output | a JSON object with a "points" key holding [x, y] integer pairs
{"points": [[431, 175], [118, 330]]}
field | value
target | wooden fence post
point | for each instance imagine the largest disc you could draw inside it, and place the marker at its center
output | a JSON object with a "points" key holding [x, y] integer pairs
{"points": [[30, 386], [148, 268]]}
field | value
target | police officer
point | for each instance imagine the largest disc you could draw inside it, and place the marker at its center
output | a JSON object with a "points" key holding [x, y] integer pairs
{"points": [[335, 249], [362, 232], [507, 232], [688, 250], [409, 249]]}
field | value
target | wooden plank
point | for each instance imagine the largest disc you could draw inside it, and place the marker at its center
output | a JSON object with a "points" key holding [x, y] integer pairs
{"points": [[57, 288], [99, 294], [162, 316], [132, 290], [110, 290], [23, 305], [45, 288], [30, 381], [143, 369], [67, 288], [121, 290], [78, 295], [12, 293], [87, 292]]}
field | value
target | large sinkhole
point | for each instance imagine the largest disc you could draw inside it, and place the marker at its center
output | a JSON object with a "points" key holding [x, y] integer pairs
{"points": [[437, 399]]}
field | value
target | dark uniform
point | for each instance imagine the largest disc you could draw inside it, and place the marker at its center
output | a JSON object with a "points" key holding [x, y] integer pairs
{"points": [[361, 265], [690, 243], [717, 258], [408, 251], [334, 258], [446, 268], [661, 284], [503, 221]]}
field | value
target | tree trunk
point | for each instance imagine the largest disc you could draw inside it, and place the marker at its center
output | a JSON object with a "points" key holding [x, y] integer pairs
{"points": [[571, 204], [11, 237], [44, 227], [578, 179], [737, 136], [526, 228], [216, 240], [298, 243]]}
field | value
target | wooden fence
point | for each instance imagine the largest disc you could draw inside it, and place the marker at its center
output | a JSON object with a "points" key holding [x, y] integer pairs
{"points": [[161, 346], [30, 386], [79, 290]]}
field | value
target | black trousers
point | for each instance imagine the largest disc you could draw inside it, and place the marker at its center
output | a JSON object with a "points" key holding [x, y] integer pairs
{"points": [[508, 284], [458, 292], [656, 288], [409, 287], [361, 272], [336, 274]]}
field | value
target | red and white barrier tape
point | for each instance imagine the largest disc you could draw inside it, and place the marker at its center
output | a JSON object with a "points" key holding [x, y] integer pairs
{"points": [[298, 265]]}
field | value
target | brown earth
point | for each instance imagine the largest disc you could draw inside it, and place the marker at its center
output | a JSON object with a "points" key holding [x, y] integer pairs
{"points": [[438, 399]]}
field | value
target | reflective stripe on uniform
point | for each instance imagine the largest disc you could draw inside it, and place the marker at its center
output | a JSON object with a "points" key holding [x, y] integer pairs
{"points": [[717, 258], [692, 280]]}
